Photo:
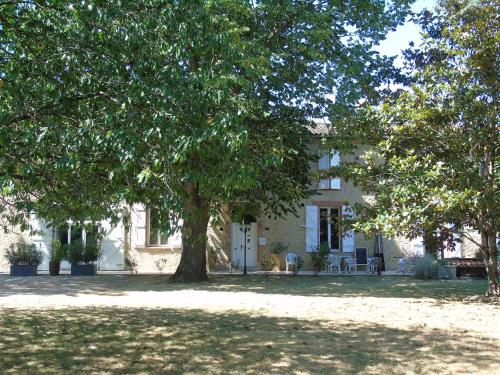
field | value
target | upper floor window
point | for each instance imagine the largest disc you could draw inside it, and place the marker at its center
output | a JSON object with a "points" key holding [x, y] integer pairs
{"points": [[328, 160]]}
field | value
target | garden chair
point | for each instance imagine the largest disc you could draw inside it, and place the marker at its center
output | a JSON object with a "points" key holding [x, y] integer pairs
{"points": [[291, 260], [351, 264], [333, 262], [372, 264]]}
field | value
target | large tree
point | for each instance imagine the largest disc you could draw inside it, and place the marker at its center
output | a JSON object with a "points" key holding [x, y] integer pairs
{"points": [[435, 157], [181, 105]]}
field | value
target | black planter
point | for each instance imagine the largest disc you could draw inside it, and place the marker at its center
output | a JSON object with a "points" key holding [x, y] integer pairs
{"points": [[54, 268], [84, 269], [23, 270]]}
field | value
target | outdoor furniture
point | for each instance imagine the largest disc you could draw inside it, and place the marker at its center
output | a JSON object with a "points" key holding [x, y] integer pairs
{"points": [[351, 264], [361, 258], [333, 262], [406, 264], [468, 266], [291, 260], [372, 264]]}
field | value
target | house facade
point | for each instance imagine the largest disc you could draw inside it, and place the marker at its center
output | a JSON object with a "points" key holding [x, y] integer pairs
{"points": [[140, 246]]}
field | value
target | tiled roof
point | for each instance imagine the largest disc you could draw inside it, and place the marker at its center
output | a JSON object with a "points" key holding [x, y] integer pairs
{"points": [[319, 127]]}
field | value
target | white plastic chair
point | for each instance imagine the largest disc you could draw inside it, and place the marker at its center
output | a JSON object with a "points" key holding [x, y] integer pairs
{"points": [[351, 264], [291, 260], [333, 261], [372, 264]]}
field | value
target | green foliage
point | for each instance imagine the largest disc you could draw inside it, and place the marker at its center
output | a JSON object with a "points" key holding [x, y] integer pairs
{"points": [[186, 106], [78, 252], [277, 247], [57, 251], [299, 265], [426, 268], [436, 143], [478, 254], [267, 264], [23, 254], [319, 257]]}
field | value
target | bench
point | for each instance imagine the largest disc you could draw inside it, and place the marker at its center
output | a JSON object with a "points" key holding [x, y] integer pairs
{"points": [[468, 266]]}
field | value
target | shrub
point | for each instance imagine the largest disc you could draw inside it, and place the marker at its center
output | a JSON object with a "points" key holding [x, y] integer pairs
{"points": [[478, 254], [92, 251], [300, 264], [277, 248], [318, 258], [57, 251], [426, 268], [23, 254], [267, 264], [78, 252]]}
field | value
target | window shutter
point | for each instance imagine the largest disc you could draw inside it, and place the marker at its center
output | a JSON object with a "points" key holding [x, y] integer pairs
{"points": [[324, 164], [418, 248], [334, 162], [311, 228], [348, 235], [139, 224]]}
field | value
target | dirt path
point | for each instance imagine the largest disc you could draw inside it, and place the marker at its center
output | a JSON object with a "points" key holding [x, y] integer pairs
{"points": [[401, 313]]}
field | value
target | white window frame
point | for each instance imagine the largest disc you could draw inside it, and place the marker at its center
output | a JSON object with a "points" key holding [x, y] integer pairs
{"points": [[84, 231], [332, 160]]}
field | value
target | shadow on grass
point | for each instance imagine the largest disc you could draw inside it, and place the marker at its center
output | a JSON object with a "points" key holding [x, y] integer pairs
{"points": [[179, 341], [325, 286]]}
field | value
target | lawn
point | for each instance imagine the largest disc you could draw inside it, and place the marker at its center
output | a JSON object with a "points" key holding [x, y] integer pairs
{"points": [[116, 324]]}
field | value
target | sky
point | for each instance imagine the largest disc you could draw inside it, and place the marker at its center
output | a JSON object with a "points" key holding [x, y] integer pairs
{"points": [[399, 40]]}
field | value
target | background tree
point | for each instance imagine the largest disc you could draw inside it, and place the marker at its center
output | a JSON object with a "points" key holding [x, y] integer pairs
{"points": [[435, 160], [184, 106]]}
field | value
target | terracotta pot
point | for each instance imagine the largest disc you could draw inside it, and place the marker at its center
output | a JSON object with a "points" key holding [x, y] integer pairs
{"points": [[279, 264]]}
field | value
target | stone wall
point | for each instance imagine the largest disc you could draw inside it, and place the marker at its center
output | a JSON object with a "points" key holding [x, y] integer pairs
{"points": [[13, 235]]}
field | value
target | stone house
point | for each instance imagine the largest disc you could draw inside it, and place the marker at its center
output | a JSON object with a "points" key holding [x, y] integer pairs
{"points": [[141, 245]]}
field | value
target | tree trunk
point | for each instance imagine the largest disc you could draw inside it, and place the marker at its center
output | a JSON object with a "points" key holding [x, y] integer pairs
{"points": [[196, 215], [490, 252]]}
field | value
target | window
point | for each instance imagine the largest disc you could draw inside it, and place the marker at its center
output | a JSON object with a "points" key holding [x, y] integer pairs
{"points": [[329, 227], [70, 233], [330, 159], [157, 236]]}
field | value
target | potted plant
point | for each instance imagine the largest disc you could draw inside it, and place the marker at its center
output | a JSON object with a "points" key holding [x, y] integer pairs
{"points": [[445, 270], [83, 257], [276, 250], [267, 265], [57, 253], [23, 259], [318, 258]]}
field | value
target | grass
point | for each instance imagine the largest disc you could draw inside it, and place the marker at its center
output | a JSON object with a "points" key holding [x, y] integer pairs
{"points": [[286, 325]]}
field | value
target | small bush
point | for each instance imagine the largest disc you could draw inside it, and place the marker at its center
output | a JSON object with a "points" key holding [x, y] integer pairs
{"points": [[23, 254], [57, 251], [277, 248], [92, 251], [318, 258], [478, 254], [78, 252], [267, 264], [300, 264], [426, 268]]}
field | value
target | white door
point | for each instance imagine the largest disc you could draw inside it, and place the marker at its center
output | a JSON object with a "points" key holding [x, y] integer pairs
{"points": [[113, 255], [41, 236], [238, 243]]}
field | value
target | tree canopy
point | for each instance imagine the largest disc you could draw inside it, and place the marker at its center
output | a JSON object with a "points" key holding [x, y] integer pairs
{"points": [[181, 105], [435, 160]]}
